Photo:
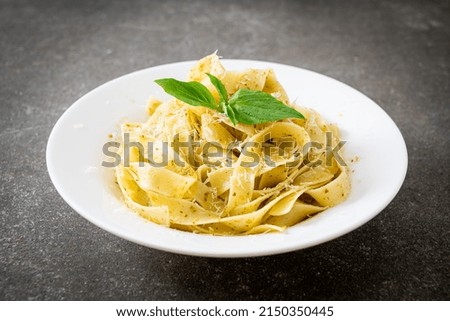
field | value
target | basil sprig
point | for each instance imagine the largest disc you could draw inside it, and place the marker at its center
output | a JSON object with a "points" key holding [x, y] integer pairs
{"points": [[244, 106]]}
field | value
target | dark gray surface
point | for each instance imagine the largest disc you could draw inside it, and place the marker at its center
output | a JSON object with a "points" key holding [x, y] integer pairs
{"points": [[53, 52]]}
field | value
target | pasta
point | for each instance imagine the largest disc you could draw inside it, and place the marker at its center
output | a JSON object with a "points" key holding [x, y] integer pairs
{"points": [[250, 184]]}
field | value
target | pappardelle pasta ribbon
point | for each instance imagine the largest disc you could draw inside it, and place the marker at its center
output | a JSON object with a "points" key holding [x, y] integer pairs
{"points": [[254, 186]]}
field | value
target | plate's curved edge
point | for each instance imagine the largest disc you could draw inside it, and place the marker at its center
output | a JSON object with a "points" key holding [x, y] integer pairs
{"points": [[249, 253]]}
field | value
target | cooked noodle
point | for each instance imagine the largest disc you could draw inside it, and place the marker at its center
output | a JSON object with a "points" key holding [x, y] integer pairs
{"points": [[228, 198]]}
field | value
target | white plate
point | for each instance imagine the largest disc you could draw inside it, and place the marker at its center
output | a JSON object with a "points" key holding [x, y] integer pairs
{"points": [[74, 156]]}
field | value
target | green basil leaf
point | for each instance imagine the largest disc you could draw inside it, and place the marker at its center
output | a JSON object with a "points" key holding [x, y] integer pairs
{"points": [[219, 86], [192, 93], [257, 107], [230, 113]]}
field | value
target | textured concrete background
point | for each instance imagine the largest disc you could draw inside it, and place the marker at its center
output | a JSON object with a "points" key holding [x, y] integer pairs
{"points": [[53, 52]]}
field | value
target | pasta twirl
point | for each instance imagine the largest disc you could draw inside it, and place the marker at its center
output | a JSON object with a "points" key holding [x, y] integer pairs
{"points": [[198, 172]]}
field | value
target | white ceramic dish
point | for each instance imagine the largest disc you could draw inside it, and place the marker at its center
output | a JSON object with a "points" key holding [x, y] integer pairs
{"points": [[74, 156]]}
